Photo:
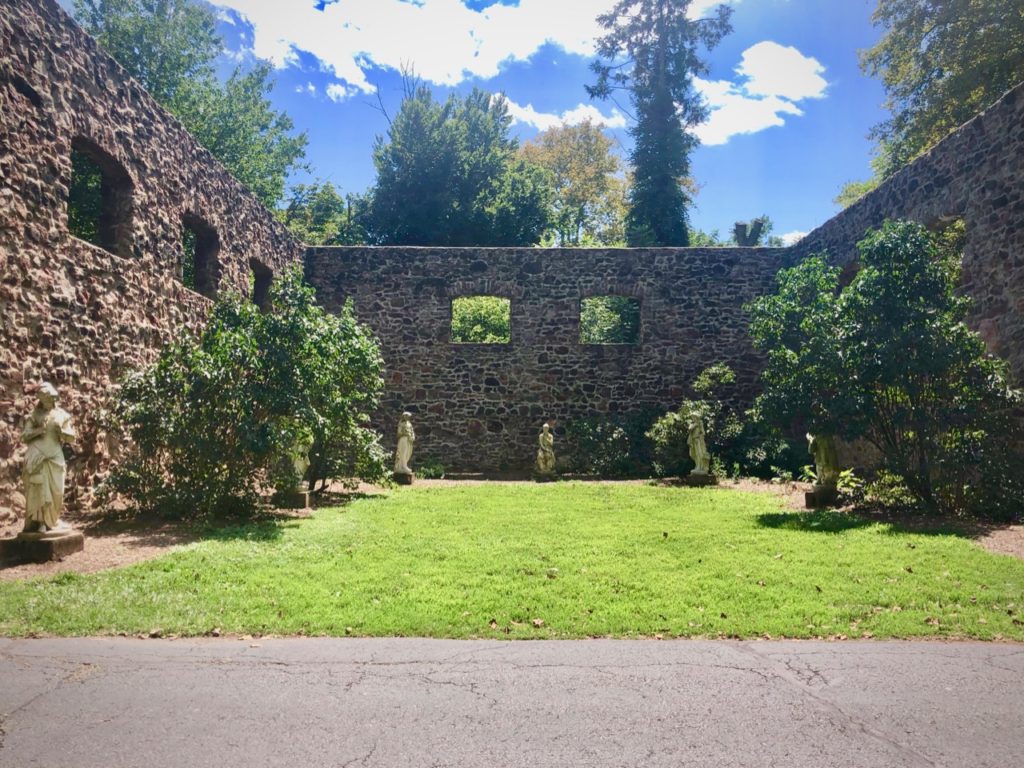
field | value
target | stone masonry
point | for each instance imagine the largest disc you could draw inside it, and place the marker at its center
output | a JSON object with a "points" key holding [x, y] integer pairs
{"points": [[480, 406], [71, 312], [82, 316]]}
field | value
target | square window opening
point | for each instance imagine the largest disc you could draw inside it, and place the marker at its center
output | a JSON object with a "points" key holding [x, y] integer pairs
{"points": [[481, 320], [610, 320]]}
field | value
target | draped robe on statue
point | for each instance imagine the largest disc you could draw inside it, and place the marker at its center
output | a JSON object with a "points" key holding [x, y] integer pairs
{"points": [[44, 465]]}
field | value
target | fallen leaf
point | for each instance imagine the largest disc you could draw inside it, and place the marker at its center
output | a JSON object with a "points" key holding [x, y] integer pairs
{"points": [[156, 633], [777, 556], [723, 616], [760, 582], [817, 587], [908, 569], [538, 622], [493, 624]]}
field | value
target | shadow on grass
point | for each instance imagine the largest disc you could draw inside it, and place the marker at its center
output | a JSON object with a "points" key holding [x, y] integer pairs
{"points": [[817, 521], [894, 523]]}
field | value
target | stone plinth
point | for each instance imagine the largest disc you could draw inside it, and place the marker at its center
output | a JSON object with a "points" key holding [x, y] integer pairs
{"points": [[543, 477], [821, 496], [40, 547], [292, 500], [403, 478], [699, 480]]}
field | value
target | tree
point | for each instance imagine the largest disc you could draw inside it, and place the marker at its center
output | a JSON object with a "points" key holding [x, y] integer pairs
{"points": [[580, 161], [651, 50], [219, 417], [941, 62], [448, 175], [171, 47], [889, 359], [318, 215]]}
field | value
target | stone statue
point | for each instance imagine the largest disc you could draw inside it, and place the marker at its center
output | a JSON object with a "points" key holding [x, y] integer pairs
{"points": [[826, 460], [545, 465], [698, 445], [45, 432], [406, 439], [300, 460]]}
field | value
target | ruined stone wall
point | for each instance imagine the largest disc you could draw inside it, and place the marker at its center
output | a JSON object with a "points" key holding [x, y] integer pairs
{"points": [[976, 174], [71, 312], [480, 406]]}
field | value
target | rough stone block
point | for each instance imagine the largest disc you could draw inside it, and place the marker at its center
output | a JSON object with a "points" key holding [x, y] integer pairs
{"points": [[292, 500], [40, 547], [699, 481], [401, 478], [821, 496]]}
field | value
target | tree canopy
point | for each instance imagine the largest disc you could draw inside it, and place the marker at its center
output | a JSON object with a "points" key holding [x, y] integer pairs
{"points": [[448, 174], [652, 50], [171, 47], [889, 359], [317, 214], [582, 167], [941, 62]]}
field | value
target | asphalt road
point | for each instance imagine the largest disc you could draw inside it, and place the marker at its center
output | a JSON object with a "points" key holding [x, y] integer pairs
{"points": [[345, 702]]}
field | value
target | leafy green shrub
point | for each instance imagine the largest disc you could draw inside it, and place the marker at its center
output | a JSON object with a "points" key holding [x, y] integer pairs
{"points": [[217, 418], [481, 320], [609, 320], [740, 443], [431, 470], [889, 359], [610, 446]]}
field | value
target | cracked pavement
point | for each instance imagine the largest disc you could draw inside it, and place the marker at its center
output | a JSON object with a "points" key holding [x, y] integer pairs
{"points": [[115, 702]]}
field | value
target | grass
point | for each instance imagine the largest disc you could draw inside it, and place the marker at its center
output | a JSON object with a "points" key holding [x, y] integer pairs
{"points": [[564, 560]]}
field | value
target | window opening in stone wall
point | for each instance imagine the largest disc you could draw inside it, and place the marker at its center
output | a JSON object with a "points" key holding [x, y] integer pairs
{"points": [[262, 277], [481, 320], [99, 199], [200, 267], [610, 320], [21, 86]]}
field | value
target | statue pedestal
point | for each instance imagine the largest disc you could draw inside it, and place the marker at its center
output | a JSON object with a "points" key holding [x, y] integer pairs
{"points": [[292, 500], [699, 480], [821, 496], [404, 478], [40, 547], [543, 477]]}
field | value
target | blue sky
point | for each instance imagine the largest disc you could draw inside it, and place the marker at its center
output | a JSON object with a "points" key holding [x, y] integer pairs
{"points": [[790, 107]]}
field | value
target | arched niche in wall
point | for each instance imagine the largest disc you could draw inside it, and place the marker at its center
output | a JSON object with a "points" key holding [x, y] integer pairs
{"points": [[99, 198], [200, 255], [262, 278]]}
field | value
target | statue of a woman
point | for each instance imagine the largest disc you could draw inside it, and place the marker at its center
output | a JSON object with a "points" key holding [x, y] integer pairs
{"points": [[826, 460], [545, 451], [697, 443], [46, 429], [403, 451]]}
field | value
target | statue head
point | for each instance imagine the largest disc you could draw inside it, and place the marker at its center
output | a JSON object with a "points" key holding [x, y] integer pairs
{"points": [[406, 416], [47, 395], [546, 428]]}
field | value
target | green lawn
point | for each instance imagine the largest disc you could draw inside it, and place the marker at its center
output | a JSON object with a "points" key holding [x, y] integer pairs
{"points": [[546, 561]]}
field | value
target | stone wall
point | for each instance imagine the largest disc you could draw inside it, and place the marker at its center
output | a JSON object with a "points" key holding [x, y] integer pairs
{"points": [[71, 312], [976, 174], [480, 406]]}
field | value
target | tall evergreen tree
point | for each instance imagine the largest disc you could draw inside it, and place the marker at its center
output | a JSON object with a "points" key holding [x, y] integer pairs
{"points": [[651, 49], [448, 174]]}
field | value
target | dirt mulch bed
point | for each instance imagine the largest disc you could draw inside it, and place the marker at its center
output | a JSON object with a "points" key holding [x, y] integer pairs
{"points": [[114, 543]]}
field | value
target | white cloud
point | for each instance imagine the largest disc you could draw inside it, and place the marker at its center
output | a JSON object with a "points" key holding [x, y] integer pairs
{"points": [[791, 238], [581, 113], [444, 41], [772, 80], [308, 88], [340, 92]]}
